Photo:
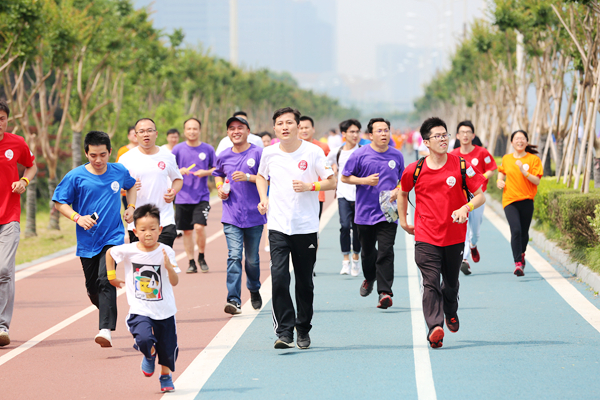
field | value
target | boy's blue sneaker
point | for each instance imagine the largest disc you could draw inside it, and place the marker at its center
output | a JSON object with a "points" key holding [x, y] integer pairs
{"points": [[148, 366], [166, 383]]}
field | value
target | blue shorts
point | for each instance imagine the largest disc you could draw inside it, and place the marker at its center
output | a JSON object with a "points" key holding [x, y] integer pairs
{"points": [[162, 334]]}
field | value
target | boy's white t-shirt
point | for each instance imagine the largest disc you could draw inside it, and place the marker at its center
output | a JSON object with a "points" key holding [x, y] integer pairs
{"points": [[290, 212], [344, 190], [149, 291], [156, 172]]}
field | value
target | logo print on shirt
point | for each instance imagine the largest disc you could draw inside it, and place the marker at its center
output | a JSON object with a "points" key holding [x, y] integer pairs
{"points": [[161, 165], [202, 156], [9, 154], [115, 186], [475, 162], [487, 160], [251, 163], [392, 164], [451, 181], [470, 172], [303, 165], [526, 167]]}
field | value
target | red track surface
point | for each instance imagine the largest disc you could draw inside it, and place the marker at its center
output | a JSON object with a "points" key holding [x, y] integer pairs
{"points": [[69, 365]]}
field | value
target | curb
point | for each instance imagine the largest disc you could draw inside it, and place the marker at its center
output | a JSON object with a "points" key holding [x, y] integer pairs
{"points": [[557, 254]]}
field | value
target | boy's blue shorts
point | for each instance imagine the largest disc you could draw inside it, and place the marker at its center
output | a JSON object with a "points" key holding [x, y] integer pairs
{"points": [[162, 334]]}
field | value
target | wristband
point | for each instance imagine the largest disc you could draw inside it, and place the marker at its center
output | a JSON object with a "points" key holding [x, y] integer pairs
{"points": [[527, 175], [469, 206], [26, 180], [111, 275], [73, 215], [316, 186], [131, 205], [219, 184], [499, 180], [76, 218]]}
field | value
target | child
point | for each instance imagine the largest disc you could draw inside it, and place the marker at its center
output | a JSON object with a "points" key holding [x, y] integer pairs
{"points": [[150, 274]]}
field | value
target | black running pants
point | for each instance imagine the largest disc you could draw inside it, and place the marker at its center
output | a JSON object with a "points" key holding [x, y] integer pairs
{"points": [[519, 215], [378, 262]]}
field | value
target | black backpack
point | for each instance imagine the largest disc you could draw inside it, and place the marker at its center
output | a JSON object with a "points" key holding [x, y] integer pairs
{"points": [[463, 173]]}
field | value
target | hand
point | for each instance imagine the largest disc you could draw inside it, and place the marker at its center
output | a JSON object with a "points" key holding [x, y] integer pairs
{"points": [[118, 283], [86, 222], [18, 186], [184, 171], [239, 176], [500, 184], [128, 215], [520, 165], [168, 264], [138, 184], [263, 207], [371, 180], [394, 195], [461, 215], [169, 196], [410, 229], [222, 194], [300, 186]]}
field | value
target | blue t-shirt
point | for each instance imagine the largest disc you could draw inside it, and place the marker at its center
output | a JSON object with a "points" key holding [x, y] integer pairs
{"points": [[88, 193]]}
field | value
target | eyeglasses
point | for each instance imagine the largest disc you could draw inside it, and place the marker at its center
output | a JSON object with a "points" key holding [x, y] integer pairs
{"points": [[379, 132], [141, 131], [439, 137]]}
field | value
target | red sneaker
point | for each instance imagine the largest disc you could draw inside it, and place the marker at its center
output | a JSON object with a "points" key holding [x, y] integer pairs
{"points": [[452, 324], [519, 269], [436, 337], [475, 254], [523, 260]]}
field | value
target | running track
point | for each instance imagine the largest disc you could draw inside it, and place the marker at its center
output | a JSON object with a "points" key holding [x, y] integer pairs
{"points": [[520, 338]]}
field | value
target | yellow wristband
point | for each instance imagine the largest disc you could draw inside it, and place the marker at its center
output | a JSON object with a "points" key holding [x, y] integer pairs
{"points": [[317, 186], [111, 275], [26, 180], [131, 205], [471, 206], [219, 184], [527, 175], [73, 216]]}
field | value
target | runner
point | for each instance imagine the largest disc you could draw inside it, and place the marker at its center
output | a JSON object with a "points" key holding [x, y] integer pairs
{"points": [[375, 168], [518, 177], [89, 195], [441, 210], [484, 163], [242, 223], [293, 167], [196, 162], [226, 143], [306, 132], [156, 170], [172, 139], [266, 138], [13, 151], [346, 195], [132, 143], [150, 274]]}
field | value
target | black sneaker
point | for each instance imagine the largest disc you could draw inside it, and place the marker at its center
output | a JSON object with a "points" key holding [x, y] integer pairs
{"points": [[192, 269], [233, 308], [452, 323], [255, 300], [366, 288], [203, 265], [385, 301], [303, 341], [465, 268], [284, 342]]}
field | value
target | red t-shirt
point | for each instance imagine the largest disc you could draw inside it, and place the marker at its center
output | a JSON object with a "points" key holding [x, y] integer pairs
{"points": [[13, 150], [438, 193], [480, 159]]}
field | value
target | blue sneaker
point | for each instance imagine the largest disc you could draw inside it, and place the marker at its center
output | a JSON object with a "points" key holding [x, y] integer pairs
{"points": [[148, 366], [166, 383]]}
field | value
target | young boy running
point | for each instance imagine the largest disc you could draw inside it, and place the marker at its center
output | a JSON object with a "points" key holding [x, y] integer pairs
{"points": [[482, 162], [441, 210], [90, 195], [150, 274]]}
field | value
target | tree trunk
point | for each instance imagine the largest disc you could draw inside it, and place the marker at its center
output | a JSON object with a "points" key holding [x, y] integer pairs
{"points": [[54, 214], [31, 208], [76, 149]]}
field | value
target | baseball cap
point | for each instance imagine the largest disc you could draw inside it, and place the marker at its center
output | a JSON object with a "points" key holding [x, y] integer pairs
{"points": [[239, 119]]}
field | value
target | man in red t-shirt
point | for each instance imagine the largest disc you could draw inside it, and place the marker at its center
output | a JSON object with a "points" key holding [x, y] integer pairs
{"points": [[306, 131], [484, 163], [441, 210], [13, 150]]}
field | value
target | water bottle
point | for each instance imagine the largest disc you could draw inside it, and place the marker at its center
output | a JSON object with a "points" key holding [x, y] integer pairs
{"points": [[226, 187]]}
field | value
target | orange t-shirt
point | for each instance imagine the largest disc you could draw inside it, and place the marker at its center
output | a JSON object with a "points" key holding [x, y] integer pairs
{"points": [[122, 151], [326, 149], [517, 186]]}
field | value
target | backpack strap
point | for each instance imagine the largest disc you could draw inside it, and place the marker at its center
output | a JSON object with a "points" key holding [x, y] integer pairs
{"points": [[337, 156], [418, 169], [463, 172]]}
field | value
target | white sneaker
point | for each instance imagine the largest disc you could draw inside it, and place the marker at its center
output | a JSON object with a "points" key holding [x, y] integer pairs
{"points": [[355, 267], [345, 267], [103, 338], [4, 338]]}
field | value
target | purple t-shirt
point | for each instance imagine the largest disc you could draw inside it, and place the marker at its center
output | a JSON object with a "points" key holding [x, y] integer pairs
{"points": [[194, 189], [364, 162], [239, 208]]}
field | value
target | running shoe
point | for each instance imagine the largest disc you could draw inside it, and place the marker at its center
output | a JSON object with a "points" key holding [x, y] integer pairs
{"points": [[345, 267], [148, 366], [366, 288], [355, 267], [436, 337], [452, 323], [284, 342], [519, 269], [385, 301], [4, 338], [166, 383], [303, 341], [523, 261], [475, 254], [465, 268], [233, 308], [203, 265], [103, 338], [192, 269], [255, 300]]}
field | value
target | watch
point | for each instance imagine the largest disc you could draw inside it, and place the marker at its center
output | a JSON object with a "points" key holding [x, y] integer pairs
{"points": [[247, 177]]}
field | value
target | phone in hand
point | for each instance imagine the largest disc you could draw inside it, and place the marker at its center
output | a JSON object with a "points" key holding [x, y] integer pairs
{"points": [[94, 216]]}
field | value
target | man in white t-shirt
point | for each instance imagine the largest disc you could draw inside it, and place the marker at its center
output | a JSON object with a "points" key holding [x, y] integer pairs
{"points": [[334, 140], [346, 195], [293, 167], [156, 170], [226, 143]]}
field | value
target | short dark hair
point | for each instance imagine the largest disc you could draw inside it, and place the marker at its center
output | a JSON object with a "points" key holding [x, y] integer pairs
{"points": [[131, 128], [144, 119], [4, 107], [466, 123], [147, 210], [374, 120], [286, 110], [235, 114], [307, 118], [265, 133], [171, 131], [429, 124], [192, 119], [96, 138], [345, 125]]}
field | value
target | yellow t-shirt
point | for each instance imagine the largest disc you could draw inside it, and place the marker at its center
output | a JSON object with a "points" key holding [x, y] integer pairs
{"points": [[517, 186]]}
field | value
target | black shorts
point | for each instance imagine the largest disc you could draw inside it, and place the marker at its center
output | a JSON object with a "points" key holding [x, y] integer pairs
{"points": [[187, 215], [167, 236]]}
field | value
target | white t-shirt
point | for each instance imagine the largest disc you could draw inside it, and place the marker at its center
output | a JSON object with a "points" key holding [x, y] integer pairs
{"points": [[156, 172], [164, 146], [293, 213], [344, 190], [334, 141], [417, 139], [149, 291], [226, 143]]}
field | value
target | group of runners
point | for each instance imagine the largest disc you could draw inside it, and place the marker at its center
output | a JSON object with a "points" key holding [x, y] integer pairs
{"points": [[278, 185]]}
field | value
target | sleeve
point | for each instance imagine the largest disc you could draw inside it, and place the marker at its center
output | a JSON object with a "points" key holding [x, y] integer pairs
{"points": [[117, 253], [213, 158], [174, 172], [474, 179], [219, 169], [263, 168], [65, 191], [351, 165], [128, 180], [331, 157], [175, 153], [537, 168], [26, 158], [323, 169], [407, 178], [501, 167], [489, 162], [221, 146]]}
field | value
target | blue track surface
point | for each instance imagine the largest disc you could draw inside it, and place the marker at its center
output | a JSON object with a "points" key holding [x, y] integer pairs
{"points": [[518, 339]]}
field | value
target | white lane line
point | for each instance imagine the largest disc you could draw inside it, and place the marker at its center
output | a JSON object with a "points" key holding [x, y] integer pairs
{"points": [[191, 381], [562, 286]]}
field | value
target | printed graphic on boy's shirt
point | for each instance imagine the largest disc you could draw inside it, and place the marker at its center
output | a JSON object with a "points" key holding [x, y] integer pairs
{"points": [[146, 281]]}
